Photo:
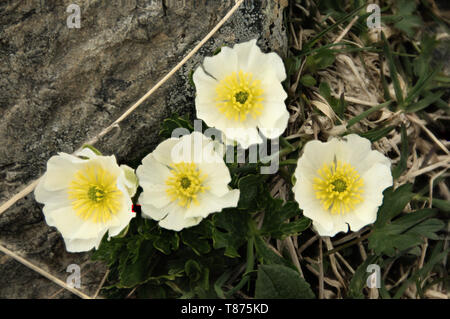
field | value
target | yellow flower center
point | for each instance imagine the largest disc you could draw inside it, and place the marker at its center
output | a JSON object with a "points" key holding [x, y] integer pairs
{"points": [[339, 187], [94, 193], [239, 95], [185, 183]]}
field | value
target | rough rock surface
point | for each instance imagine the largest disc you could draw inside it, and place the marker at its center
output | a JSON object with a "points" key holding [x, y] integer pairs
{"points": [[61, 86]]}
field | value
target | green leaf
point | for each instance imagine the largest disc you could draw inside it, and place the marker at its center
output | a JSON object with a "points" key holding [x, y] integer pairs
{"points": [[405, 232], [172, 123], [359, 279], [408, 22], [197, 237], [342, 19], [276, 215], [377, 133], [393, 203], [230, 230], [250, 187], [365, 114], [436, 256], [92, 148], [166, 241], [420, 85], [425, 102], [324, 58], [280, 282], [308, 80], [193, 269], [443, 205], [392, 69], [134, 271], [268, 256], [401, 166]]}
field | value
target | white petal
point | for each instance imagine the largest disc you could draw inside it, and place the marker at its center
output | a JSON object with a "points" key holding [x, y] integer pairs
{"points": [[252, 59], [163, 152], [315, 155], [153, 212], [218, 177], [86, 152], [176, 220], [121, 220], [151, 171], [77, 245], [376, 180], [57, 198], [311, 206], [273, 90], [59, 174], [209, 203], [205, 87], [222, 64], [70, 225], [274, 121], [277, 65], [339, 225], [244, 136], [130, 180], [108, 163], [154, 195], [363, 215], [248, 53]]}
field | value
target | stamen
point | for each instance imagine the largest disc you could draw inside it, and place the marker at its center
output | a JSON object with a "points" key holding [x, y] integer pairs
{"points": [[238, 96], [339, 187], [94, 194], [185, 183]]}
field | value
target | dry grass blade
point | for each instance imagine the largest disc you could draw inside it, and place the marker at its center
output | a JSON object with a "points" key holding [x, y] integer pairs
{"points": [[44, 273]]}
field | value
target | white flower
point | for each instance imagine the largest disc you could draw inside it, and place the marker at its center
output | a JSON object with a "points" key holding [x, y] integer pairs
{"points": [[86, 197], [182, 189], [340, 183], [239, 90]]}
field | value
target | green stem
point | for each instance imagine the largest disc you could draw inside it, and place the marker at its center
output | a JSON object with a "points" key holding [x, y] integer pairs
{"points": [[250, 261], [289, 162]]}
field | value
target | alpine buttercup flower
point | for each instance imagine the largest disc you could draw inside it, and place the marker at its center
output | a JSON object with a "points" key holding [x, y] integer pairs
{"points": [[239, 90], [340, 183], [184, 180], [85, 196]]}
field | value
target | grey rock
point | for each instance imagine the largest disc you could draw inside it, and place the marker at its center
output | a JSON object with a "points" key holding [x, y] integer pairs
{"points": [[61, 86]]}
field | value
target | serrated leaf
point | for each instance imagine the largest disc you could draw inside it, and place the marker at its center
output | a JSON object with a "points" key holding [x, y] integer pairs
{"points": [[250, 188], [359, 279], [166, 242], [197, 238], [276, 216], [405, 232], [268, 256], [393, 203], [230, 231], [280, 282], [134, 272], [173, 123]]}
